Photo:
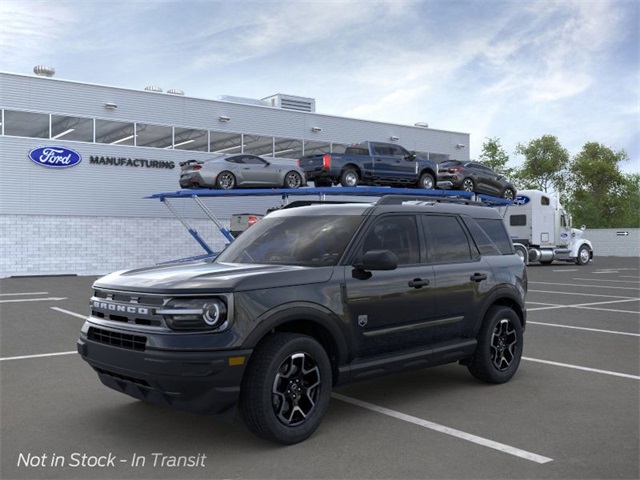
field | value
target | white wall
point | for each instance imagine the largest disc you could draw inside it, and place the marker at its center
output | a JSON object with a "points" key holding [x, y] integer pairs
{"points": [[608, 243]]}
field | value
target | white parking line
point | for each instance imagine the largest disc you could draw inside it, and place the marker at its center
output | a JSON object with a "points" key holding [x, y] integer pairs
{"points": [[17, 300], [442, 429], [589, 306], [583, 328], [637, 289], [24, 357], [73, 314], [605, 280], [582, 294], [578, 367], [569, 270], [24, 293]]}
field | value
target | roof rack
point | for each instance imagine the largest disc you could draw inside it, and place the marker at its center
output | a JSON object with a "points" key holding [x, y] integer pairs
{"points": [[389, 196]]}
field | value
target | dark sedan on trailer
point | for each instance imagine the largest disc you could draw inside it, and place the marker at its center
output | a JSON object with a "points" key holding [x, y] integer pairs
{"points": [[240, 170], [475, 177]]}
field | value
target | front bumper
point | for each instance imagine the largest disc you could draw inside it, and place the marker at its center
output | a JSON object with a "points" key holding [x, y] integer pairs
{"points": [[206, 382]]}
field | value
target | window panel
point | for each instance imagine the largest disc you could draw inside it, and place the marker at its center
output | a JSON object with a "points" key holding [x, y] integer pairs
{"points": [[72, 128], [225, 142], [155, 136], [315, 148], [287, 148], [447, 240], [191, 139], [26, 124], [115, 133], [258, 145]]}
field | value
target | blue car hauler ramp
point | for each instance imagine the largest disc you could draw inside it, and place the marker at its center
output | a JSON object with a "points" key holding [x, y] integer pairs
{"points": [[405, 194]]}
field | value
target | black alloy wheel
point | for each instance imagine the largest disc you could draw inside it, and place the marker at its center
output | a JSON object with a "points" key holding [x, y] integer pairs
{"points": [[287, 388], [499, 348]]}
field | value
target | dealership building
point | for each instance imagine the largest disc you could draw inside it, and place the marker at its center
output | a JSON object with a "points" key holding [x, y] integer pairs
{"points": [[89, 214]]}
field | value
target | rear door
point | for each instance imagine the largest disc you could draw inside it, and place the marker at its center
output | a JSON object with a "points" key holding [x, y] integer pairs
{"points": [[462, 277]]}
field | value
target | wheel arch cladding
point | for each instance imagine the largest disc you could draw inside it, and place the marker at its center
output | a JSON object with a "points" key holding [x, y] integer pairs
{"points": [[308, 322]]}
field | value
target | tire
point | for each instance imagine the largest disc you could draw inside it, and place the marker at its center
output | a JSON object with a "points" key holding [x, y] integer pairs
{"points": [[508, 194], [522, 252], [349, 178], [426, 182], [468, 185], [583, 255], [499, 349], [225, 180], [546, 262], [279, 400], [292, 180]]}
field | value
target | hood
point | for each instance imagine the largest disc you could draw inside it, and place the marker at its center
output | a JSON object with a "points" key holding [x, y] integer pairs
{"points": [[205, 277]]}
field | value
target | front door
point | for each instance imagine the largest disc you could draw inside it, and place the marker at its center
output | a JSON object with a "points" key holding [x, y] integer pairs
{"points": [[392, 309]]}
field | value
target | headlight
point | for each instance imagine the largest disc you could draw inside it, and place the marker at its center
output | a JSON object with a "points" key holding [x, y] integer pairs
{"points": [[195, 313]]}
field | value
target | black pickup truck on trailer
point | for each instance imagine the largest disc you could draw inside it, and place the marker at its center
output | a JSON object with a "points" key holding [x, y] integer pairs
{"points": [[371, 163]]}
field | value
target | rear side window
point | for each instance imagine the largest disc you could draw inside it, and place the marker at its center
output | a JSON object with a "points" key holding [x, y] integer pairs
{"points": [[446, 239], [494, 228]]}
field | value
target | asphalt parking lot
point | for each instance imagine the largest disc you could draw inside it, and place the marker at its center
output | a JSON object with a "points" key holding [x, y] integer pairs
{"points": [[572, 410]]}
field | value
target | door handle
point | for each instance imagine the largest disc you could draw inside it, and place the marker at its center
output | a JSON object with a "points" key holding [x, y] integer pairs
{"points": [[478, 277], [418, 283]]}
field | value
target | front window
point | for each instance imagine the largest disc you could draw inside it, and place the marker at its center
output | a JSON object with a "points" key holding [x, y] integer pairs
{"points": [[318, 240]]}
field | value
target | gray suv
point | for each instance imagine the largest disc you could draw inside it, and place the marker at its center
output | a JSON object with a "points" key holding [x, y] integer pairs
{"points": [[310, 298]]}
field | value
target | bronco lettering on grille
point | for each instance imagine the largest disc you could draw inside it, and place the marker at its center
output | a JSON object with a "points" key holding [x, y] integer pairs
{"points": [[113, 307]]}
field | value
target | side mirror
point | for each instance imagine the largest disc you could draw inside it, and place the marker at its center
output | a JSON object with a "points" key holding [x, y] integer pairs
{"points": [[378, 260], [411, 156], [583, 228]]}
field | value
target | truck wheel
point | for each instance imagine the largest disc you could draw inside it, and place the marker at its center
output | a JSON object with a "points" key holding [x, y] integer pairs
{"points": [[292, 180], [286, 389], [226, 180], [583, 255], [546, 262], [522, 252], [499, 348], [426, 182], [349, 178], [468, 185]]}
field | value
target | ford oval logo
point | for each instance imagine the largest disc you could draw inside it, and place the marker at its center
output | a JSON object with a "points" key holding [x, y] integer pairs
{"points": [[55, 157], [564, 235], [521, 200]]}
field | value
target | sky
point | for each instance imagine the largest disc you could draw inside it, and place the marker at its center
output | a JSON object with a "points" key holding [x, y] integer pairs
{"points": [[512, 70]]}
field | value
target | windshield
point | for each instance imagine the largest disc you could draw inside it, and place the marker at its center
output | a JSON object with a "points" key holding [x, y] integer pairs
{"points": [[317, 240]]}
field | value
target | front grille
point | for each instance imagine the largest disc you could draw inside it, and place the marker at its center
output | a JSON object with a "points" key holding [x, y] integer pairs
{"points": [[117, 339], [128, 308]]}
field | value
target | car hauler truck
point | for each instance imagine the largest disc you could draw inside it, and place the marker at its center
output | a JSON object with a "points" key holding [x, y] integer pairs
{"points": [[541, 230]]}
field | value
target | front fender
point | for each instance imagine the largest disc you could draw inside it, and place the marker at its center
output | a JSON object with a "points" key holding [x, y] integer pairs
{"points": [[575, 246], [316, 314]]}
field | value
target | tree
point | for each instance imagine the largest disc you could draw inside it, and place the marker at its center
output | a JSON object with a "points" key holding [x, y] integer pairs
{"points": [[545, 164], [599, 194], [494, 156]]}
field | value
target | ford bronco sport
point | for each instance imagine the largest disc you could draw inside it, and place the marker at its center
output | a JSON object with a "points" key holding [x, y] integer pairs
{"points": [[310, 298]]}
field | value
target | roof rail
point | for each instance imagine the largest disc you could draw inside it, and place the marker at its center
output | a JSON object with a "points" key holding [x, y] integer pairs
{"points": [[464, 198]]}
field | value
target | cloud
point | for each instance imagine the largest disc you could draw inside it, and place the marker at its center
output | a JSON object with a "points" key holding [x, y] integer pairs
{"points": [[28, 34]]}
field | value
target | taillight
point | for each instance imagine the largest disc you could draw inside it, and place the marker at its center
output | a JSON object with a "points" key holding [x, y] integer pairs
{"points": [[252, 220], [326, 161], [197, 167], [299, 163]]}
